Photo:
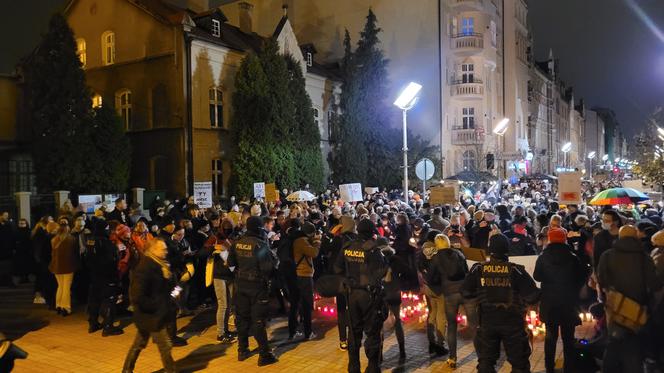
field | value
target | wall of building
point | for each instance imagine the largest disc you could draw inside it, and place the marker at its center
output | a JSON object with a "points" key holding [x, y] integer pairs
{"points": [[8, 110]]}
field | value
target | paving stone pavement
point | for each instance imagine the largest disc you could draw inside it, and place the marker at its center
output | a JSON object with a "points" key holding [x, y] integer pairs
{"points": [[62, 344]]}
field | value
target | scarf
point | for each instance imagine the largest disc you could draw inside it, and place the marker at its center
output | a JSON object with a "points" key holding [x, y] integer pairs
{"points": [[165, 267]]}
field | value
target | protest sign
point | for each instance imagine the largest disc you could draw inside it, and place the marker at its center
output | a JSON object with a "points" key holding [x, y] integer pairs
{"points": [[569, 188], [203, 194], [259, 190], [351, 192]]}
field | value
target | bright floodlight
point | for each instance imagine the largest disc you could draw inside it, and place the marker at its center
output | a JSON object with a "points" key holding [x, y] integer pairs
{"points": [[567, 147], [529, 156], [660, 130], [591, 155], [605, 157], [501, 127], [408, 96]]}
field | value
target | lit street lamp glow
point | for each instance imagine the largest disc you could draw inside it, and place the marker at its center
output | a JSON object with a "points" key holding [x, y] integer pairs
{"points": [[408, 96], [660, 130], [591, 155], [501, 127], [405, 102], [567, 147], [605, 157]]}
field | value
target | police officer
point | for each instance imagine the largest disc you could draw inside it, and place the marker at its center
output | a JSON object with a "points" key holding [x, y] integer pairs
{"points": [[254, 266], [364, 267], [502, 289], [102, 260]]}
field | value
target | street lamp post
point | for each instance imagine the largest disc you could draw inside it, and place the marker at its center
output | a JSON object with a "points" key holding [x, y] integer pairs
{"points": [[566, 148], [500, 130], [405, 102], [591, 156]]}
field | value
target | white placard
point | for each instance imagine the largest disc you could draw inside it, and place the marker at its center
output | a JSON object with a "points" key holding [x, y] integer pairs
{"points": [[569, 188], [351, 192], [259, 190], [370, 190], [203, 194]]}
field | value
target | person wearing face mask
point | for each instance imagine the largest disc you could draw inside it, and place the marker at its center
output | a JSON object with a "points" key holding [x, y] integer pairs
{"points": [[64, 262], [604, 240], [140, 235], [481, 230], [457, 233], [520, 242]]}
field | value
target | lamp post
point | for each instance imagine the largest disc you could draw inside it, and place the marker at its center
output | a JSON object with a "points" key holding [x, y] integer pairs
{"points": [[591, 156], [500, 130], [566, 148], [405, 102]]}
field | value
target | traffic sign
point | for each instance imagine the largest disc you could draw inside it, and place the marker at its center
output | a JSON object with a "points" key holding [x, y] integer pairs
{"points": [[424, 169]]}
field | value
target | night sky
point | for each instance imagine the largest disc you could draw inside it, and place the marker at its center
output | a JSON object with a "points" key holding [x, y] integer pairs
{"points": [[606, 52], [605, 48]]}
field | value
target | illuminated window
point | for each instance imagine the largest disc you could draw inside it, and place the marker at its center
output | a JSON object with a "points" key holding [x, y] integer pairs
{"points": [[108, 48], [80, 50], [123, 107], [216, 28], [467, 25], [96, 100], [216, 107], [468, 117]]}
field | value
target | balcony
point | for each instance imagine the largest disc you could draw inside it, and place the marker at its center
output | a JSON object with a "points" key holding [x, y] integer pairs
{"points": [[467, 90], [461, 136], [467, 5], [467, 44]]}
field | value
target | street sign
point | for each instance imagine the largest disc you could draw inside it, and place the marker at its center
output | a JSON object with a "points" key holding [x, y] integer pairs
{"points": [[424, 169]]}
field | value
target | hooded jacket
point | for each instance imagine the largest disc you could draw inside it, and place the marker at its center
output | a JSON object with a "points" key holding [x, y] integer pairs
{"points": [[561, 274], [629, 270]]}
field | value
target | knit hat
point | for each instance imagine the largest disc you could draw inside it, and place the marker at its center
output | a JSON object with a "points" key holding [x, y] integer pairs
{"points": [[442, 242], [254, 223], [366, 227], [627, 231], [557, 235], [498, 244], [657, 239]]}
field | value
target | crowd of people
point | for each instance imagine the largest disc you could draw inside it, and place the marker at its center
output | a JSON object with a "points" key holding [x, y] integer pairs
{"points": [[243, 257]]}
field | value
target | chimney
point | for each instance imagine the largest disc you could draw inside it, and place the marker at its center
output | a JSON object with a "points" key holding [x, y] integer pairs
{"points": [[245, 17]]}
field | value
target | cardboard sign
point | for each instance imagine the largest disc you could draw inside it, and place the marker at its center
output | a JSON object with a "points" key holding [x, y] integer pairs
{"points": [[370, 190], [271, 193], [259, 190], [203, 194], [441, 195], [569, 188], [351, 192]]}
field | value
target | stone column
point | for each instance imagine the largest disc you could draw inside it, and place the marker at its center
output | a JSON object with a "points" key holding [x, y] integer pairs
{"points": [[60, 197], [137, 197], [23, 205]]}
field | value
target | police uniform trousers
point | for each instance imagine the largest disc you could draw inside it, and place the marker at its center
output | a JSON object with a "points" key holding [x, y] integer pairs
{"points": [[514, 339], [251, 307], [364, 318]]}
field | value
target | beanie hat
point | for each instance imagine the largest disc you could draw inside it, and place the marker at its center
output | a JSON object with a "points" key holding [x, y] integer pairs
{"points": [[658, 239], [498, 244], [557, 235], [442, 242], [627, 231], [254, 223], [365, 226], [431, 236]]}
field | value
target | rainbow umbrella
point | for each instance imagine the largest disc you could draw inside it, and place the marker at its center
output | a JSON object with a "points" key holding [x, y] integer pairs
{"points": [[618, 196]]}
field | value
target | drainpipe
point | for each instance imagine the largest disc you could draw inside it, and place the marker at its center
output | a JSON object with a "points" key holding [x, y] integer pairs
{"points": [[189, 129]]}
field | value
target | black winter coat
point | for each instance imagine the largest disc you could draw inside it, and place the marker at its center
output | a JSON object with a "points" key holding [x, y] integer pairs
{"points": [[562, 275], [449, 269], [603, 242], [520, 244], [150, 294]]}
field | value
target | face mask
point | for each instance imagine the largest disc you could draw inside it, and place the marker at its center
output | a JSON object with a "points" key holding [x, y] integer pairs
{"points": [[606, 226]]}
